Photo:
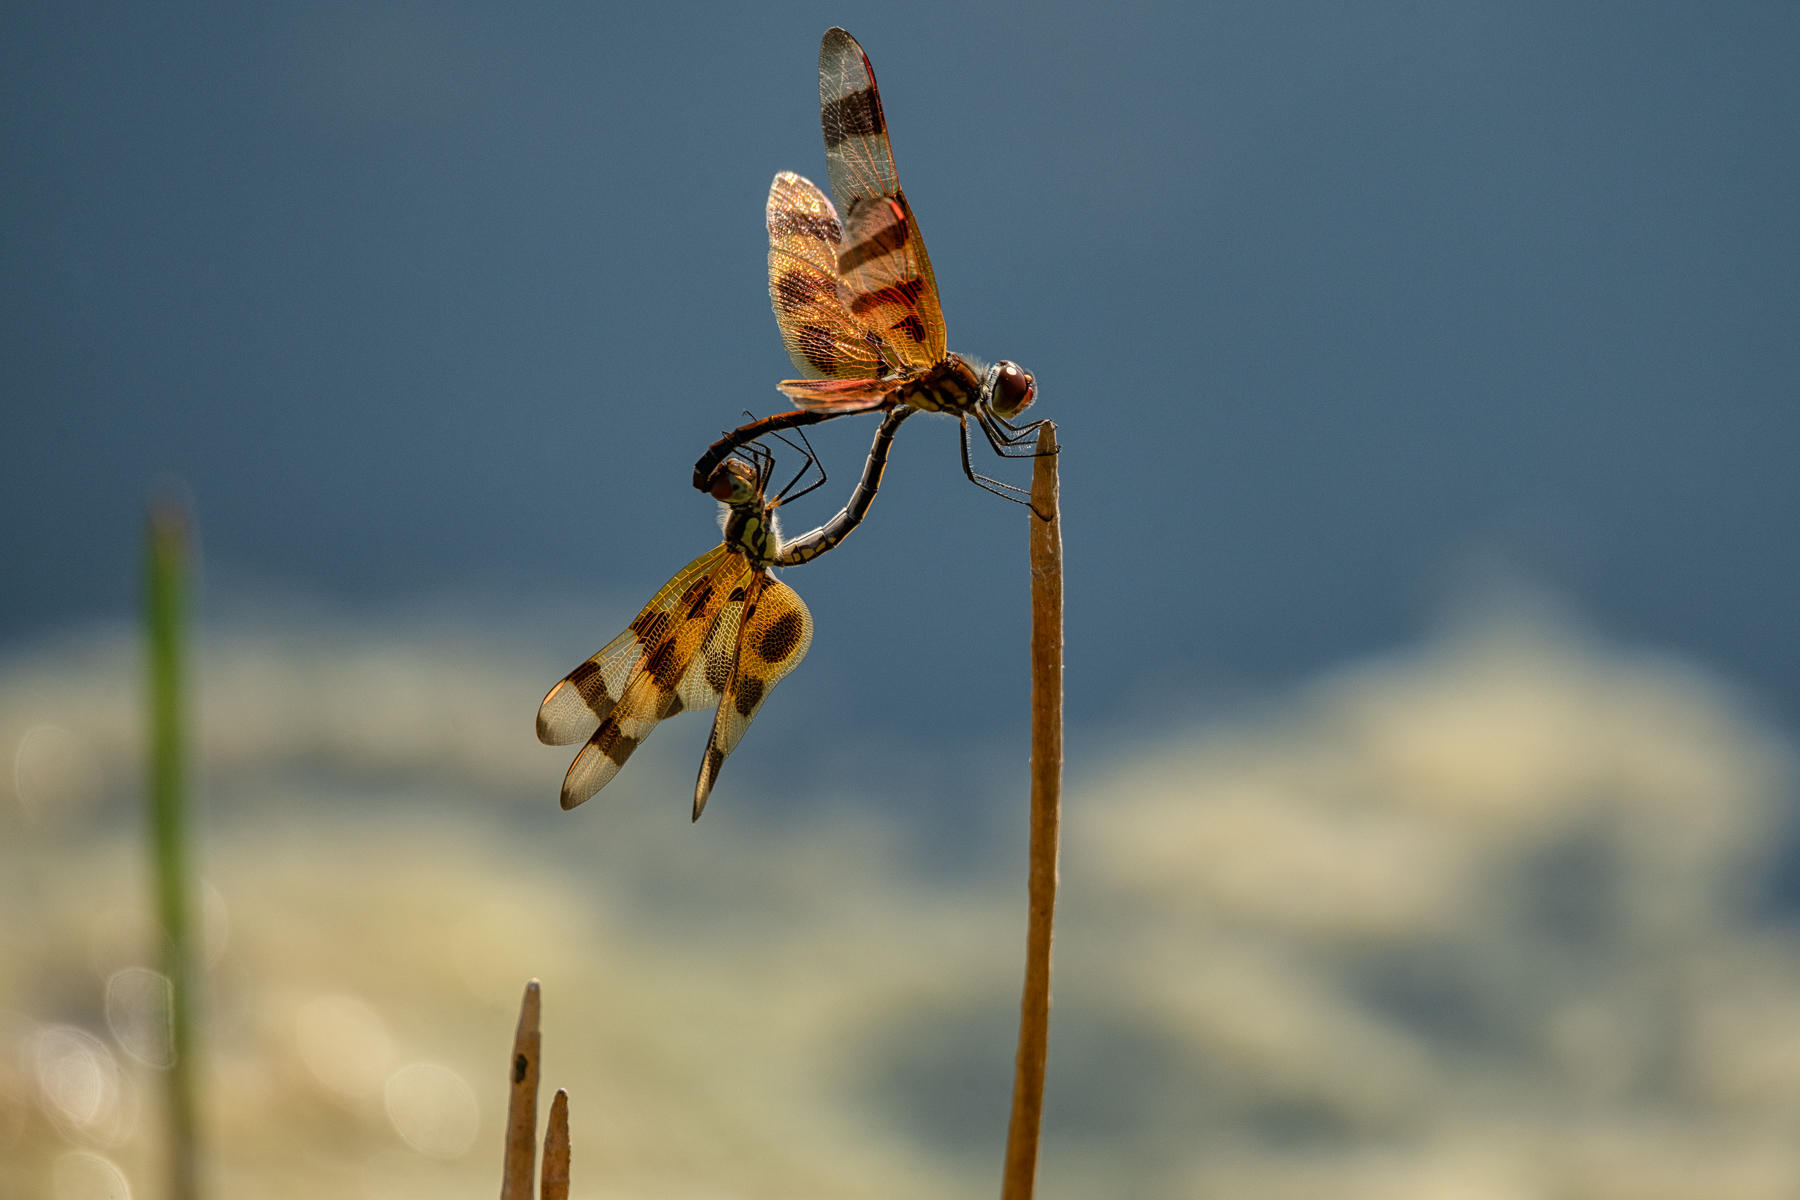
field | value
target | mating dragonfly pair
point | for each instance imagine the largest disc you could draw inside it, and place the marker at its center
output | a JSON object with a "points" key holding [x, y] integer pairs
{"points": [[858, 309]]}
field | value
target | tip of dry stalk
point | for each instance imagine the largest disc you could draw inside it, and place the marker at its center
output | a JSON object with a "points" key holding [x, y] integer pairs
{"points": [[555, 1184], [1044, 499]]}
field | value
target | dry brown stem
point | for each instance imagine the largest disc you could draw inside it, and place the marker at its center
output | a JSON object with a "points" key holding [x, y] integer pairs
{"points": [[1046, 820], [556, 1149], [521, 1104]]}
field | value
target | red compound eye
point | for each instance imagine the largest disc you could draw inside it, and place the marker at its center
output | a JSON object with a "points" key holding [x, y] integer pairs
{"points": [[1013, 390], [731, 481]]}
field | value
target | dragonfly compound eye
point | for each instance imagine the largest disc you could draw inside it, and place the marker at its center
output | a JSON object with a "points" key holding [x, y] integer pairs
{"points": [[1014, 390], [732, 482]]}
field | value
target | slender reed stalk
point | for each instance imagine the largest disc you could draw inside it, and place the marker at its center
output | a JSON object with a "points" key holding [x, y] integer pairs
{"points": [[521, 1103], [165, 599], [1046, 820], [556, 1149], [521, 1115]]}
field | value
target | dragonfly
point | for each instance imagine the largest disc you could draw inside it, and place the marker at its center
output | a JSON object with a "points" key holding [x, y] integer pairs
{"points": [[723, 632], [855, 297]]}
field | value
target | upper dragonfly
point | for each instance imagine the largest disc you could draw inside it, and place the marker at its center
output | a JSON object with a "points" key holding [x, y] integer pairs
{"points": [[855, 297], [724, 631]]}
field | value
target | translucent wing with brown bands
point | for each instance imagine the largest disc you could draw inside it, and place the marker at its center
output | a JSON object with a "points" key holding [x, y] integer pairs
{"points": [[574, 708], [774, 637], [856, 141], [811, 307], [884, 266], [839, 397], [882, 259], [673, 636]]}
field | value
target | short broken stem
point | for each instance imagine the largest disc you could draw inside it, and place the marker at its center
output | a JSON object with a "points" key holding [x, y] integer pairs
{"points": [[556, 1149]]}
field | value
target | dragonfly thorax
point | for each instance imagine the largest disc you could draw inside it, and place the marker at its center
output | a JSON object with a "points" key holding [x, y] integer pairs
{"points": [[752, 530], [951, 385], [747, 520], [957, 385]]}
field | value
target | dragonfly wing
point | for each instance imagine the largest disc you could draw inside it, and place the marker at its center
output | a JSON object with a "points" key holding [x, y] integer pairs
{"points": [[774, 636]]}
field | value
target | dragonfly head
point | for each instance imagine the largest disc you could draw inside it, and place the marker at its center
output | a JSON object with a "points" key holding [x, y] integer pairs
{"points": [[1009, 389], [735, 482]]}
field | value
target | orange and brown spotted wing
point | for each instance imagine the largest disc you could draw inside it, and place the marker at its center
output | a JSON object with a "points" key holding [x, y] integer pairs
{"points": [[811, 306], [710, 671], [672, 635], [774, 636], [881, 260], [574, 708]]}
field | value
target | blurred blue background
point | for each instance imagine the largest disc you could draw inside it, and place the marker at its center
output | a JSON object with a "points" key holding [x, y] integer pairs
{"points": [[1328, 303], [1426, 381]]}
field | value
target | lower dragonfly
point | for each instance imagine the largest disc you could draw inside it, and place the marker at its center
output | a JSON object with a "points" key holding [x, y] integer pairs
{"points": [[723, 631]]}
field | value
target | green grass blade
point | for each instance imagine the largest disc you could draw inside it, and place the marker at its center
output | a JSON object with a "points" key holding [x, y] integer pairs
{"points": [[166, 604]]}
